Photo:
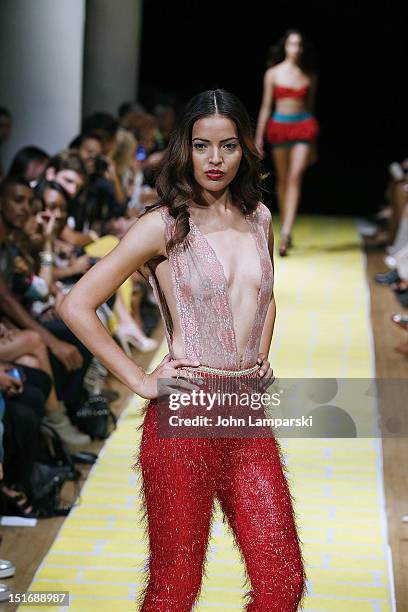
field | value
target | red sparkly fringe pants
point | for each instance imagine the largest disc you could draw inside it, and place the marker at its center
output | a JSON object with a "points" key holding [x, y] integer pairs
{"points": [[181, 478]]}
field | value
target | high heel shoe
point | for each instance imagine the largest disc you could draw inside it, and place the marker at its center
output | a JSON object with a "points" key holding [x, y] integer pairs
{"points": [[127, 338], [285, 244]]}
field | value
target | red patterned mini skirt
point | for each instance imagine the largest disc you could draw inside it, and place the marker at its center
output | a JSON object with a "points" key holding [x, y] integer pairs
{"points": [[284, 130]]}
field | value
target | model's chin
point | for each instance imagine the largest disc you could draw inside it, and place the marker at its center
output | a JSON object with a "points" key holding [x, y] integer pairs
{"points": [[214, 185]]}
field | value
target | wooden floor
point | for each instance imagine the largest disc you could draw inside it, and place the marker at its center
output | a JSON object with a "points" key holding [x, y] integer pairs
{"points": [[392, 365], [26, 547]]}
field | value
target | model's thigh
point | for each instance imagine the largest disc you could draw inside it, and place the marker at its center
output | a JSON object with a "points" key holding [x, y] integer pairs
{"points": [[179, 488], [280, 156], [178, 468], [256, 499], [299, 158]]}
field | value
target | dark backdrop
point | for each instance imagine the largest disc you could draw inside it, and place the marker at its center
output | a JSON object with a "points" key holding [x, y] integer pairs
{"points": [[191, 45]]}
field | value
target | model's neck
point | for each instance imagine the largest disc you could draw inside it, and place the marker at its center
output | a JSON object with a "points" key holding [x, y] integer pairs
{"points": [[293, 63], [220, 201]]}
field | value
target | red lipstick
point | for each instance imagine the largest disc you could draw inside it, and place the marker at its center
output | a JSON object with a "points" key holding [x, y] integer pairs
{"points": [[215, 175]]}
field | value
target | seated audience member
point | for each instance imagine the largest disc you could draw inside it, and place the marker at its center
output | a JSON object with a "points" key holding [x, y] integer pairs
{"points": [[29, 163], [68, 169], [104, 197], [24, 397], [69, 357], [130, 107], [144, 128], [130, 171], [25, 347], [166, 118], [105, 126], [68, 268], [390, 225]]}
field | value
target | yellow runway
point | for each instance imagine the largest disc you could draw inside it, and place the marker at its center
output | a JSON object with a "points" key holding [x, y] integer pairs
{"points": [[322, 330]]}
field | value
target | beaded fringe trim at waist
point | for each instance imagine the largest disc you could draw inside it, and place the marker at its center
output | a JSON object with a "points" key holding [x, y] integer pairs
{"points": [[220, 371]]}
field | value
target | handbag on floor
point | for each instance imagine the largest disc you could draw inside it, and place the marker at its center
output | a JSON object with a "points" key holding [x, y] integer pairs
{"points": [[54, 467], [46, 484], [54, 452], [94, 417]]}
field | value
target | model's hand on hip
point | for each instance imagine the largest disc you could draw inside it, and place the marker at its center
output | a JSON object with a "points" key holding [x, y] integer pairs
{"points": [[165, 378], [265, 372]]}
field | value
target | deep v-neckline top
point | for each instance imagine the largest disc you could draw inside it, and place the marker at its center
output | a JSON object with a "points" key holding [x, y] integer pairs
{"points": [[202, 297], [195, 228]]}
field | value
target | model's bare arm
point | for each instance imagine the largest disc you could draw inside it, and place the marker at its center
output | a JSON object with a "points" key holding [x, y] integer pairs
{"points": [[267, 332], [266, 108], [143, 241]]}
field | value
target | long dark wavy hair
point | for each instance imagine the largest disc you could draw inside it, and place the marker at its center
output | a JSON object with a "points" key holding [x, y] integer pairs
{"points": [[175, 182], [276, 53]]}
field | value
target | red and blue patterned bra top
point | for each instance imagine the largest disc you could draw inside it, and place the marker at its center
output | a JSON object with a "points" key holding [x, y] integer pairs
{"points": [[289, 92], [202, 295]]}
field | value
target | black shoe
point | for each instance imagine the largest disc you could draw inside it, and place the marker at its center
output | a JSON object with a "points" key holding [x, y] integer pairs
{"points": [[403, 297], [84, 457], [387, 278], [17, 505]]}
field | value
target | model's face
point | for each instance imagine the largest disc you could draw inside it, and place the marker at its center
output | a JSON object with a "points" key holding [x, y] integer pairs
{"points": [[90, 148], [70, 180], [294, 46], [15, 206], [216, 152]]}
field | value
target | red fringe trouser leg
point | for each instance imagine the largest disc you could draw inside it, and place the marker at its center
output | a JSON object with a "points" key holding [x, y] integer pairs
{"points": [[181, 477]]}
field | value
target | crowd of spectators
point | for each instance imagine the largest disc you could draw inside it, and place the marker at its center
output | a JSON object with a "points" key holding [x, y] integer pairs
{"points": [[59, 213], [389, 230]]}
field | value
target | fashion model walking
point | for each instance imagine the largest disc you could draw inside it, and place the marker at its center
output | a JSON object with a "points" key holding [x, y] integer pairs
{"points": [[207, 249], [291, 130]]}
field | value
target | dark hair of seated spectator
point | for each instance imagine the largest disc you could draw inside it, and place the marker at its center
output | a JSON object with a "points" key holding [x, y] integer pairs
{"points": [[15, 199], [88, 145], [30, 163], [143, 127], [130, 107], [5, 124], [103, 124], [67, 169]]}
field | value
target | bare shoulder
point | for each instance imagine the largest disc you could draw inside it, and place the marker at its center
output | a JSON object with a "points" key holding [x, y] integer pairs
{"points": [[149, 228], [270, 75]]}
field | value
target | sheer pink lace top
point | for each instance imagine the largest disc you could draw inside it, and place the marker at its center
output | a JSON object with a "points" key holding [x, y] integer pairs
{"points": [[202, 299]]}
